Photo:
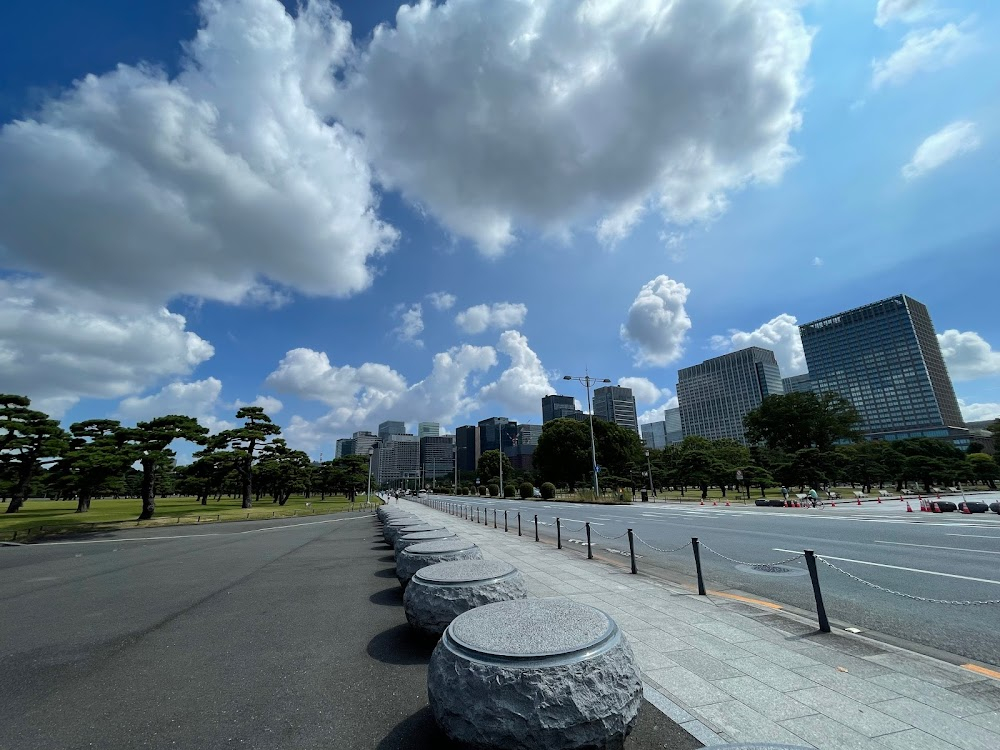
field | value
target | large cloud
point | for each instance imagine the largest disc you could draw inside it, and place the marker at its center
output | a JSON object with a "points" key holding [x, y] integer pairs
{"points": [[923, 50], [521, 386], [935, 150], [478, 318], [906, 11], [968, 355], [644, 390], [494, 115], [361, 397], [56, 347], [979, 412], [780, 335], [216, 183], [657, 323]]}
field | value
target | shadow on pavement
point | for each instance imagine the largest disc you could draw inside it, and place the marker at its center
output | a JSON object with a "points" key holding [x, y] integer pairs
{"points": [[386, 573], [390, 597], [417, 732], [388, 559], [401, 645]]}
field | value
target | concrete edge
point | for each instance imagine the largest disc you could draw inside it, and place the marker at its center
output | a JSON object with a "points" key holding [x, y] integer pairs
{"points": [[679, 716]]}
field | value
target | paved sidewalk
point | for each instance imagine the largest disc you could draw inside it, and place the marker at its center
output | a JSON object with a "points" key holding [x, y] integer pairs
{"points": [[729, 671]]}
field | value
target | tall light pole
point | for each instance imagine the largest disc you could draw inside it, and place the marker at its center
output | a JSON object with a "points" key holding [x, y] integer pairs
{"points": [[649, 469], [371, 452], [500, 462], [454, 462], [588, 382]]}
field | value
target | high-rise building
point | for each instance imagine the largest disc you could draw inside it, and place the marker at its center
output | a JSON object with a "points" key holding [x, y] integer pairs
{"points": [[345, 447], [886, 360], [797, 384], [494, 430], [467, 447], [528, 434], [654, 434], [389, 427], [715, 395], [557, 407], [613, 403], [675, 431], [522, 453], [396, 458], [363, 440], [437, 456], [428, 429]]}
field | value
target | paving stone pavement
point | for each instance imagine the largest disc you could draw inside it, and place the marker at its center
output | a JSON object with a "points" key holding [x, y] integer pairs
{"points": [[728, 671]]}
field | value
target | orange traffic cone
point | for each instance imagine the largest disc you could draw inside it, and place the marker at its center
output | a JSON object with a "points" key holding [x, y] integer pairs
{"points": [[859, 501], [936, 508], [879, 501], [714, 503], [965, 508], [727, 503], [786, 503], [900, 498], [833, 505], [702, 502], [908, 508]]}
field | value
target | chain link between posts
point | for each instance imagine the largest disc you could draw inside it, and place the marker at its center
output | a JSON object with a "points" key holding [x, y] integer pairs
{"points": [[665, 551], [900, 593], [581, 527], [750, 564], [605, 536]]}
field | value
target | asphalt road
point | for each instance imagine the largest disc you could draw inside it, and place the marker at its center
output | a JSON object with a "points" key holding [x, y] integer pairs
{"points": [[952, 557], [274, 634]]}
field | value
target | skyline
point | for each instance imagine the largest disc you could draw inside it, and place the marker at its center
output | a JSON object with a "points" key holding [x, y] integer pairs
{"points": [[344, 228]]}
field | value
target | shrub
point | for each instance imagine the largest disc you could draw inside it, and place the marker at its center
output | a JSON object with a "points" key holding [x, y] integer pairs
{"points": [[527, 490], [510, 490], [482, 490], [548, 490], [494, 490]]}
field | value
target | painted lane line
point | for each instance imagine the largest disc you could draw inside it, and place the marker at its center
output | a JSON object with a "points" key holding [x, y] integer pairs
{"points": [[191, 536], [577, 520], [934, 546], [895, 567], [975, 536]]}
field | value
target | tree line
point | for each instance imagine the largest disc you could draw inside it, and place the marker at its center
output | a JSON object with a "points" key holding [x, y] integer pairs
{"points": [[102, 457]]}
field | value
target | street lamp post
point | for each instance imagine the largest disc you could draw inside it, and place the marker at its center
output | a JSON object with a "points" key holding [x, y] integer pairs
{"points": [[588, 382], [649, 469], [454, 461], [500, 462], [371, 452]]}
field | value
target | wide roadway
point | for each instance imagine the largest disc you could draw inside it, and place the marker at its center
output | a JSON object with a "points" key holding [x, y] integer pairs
{"points": [[952, 557]]}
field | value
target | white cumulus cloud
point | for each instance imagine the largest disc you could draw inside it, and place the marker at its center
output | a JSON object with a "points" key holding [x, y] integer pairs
{"points": [[656, 413], [441, 300], [968, 355], [498, 315], [57, 347], [780, 335], [222, 182], [411, 324], [657, 322], [521, 386], [978, 412], [494, 116], [644, 390], [905, 11], [923, 50], [953, 140]]}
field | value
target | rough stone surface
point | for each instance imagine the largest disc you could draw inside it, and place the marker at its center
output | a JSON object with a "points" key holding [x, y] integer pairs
{"points": [[405, 538], [392, 527], [418, 556], [587, 699], [439, 593]]}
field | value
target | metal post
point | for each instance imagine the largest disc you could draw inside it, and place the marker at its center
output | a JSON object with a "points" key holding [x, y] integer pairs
{"points": [[558, 535], [536, 527], [494, 518], [505, 520], [824, 624], [519, 523], [631, 550], [697, 565], [590, 552], [593, 445], [477, 514]]}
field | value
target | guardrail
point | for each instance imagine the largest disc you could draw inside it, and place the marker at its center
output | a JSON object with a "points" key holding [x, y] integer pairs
{"points": [[472, 513]]}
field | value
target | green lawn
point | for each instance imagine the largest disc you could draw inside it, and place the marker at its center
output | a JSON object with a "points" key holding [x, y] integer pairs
{"points": [[46, 517]]}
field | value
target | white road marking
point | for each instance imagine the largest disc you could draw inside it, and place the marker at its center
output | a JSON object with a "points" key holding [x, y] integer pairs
{"points": [[576, 520], [190, 536], [975, 536], [894, 567], [933, 546]]}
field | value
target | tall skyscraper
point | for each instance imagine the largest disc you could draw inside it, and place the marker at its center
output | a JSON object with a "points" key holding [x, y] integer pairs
{"points": [[613, 403], [345, 447], [396, 458], [797, 384], [363, 440], [886, 360], [467, 447], [428, 429], [675, 431], [495, 429], [528, 434], [557, 407], [715, 395], [437, 456], [654, 434], [389, 427]]}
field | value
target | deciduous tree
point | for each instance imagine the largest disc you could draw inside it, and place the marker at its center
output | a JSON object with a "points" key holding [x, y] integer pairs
{"points": [[802, 420]]}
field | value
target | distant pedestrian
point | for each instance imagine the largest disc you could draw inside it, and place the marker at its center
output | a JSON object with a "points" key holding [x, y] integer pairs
{"points": [[813, 496], [784, 492]]}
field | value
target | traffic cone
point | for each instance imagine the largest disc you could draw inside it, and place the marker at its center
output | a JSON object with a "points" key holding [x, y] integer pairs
{"points": [[936, 508], [833, 505], [879, 501], [786, 503], [859, 501], [714, 503], [900, 498], [727, 503], [908, 508], [702, 502], [965, 508]]}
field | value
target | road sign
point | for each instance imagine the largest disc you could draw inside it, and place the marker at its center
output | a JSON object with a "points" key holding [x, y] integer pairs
{"points": [[739, 475], [477, 480]]}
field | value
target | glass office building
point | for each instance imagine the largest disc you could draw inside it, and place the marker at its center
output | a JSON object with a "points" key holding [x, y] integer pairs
{"points": [[886, 360], [715, 395], [613, 403]]}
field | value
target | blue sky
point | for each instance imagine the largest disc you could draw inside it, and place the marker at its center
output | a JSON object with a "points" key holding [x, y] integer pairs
{"points": [[437, 220]]}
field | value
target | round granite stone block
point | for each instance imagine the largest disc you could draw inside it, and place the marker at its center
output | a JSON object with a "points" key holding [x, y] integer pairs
{"points": [[391, 528], [418, 556], [535, 673], [439, 593], [406, 537]]}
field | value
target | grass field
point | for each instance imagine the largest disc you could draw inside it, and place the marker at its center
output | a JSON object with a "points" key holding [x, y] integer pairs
{"points": [[47, 517]]}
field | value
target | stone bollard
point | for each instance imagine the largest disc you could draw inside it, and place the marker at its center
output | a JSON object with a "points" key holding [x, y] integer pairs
{"points": [[393, 527], [540, 673], [405, 539], [418, 556], [439, 593]]}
